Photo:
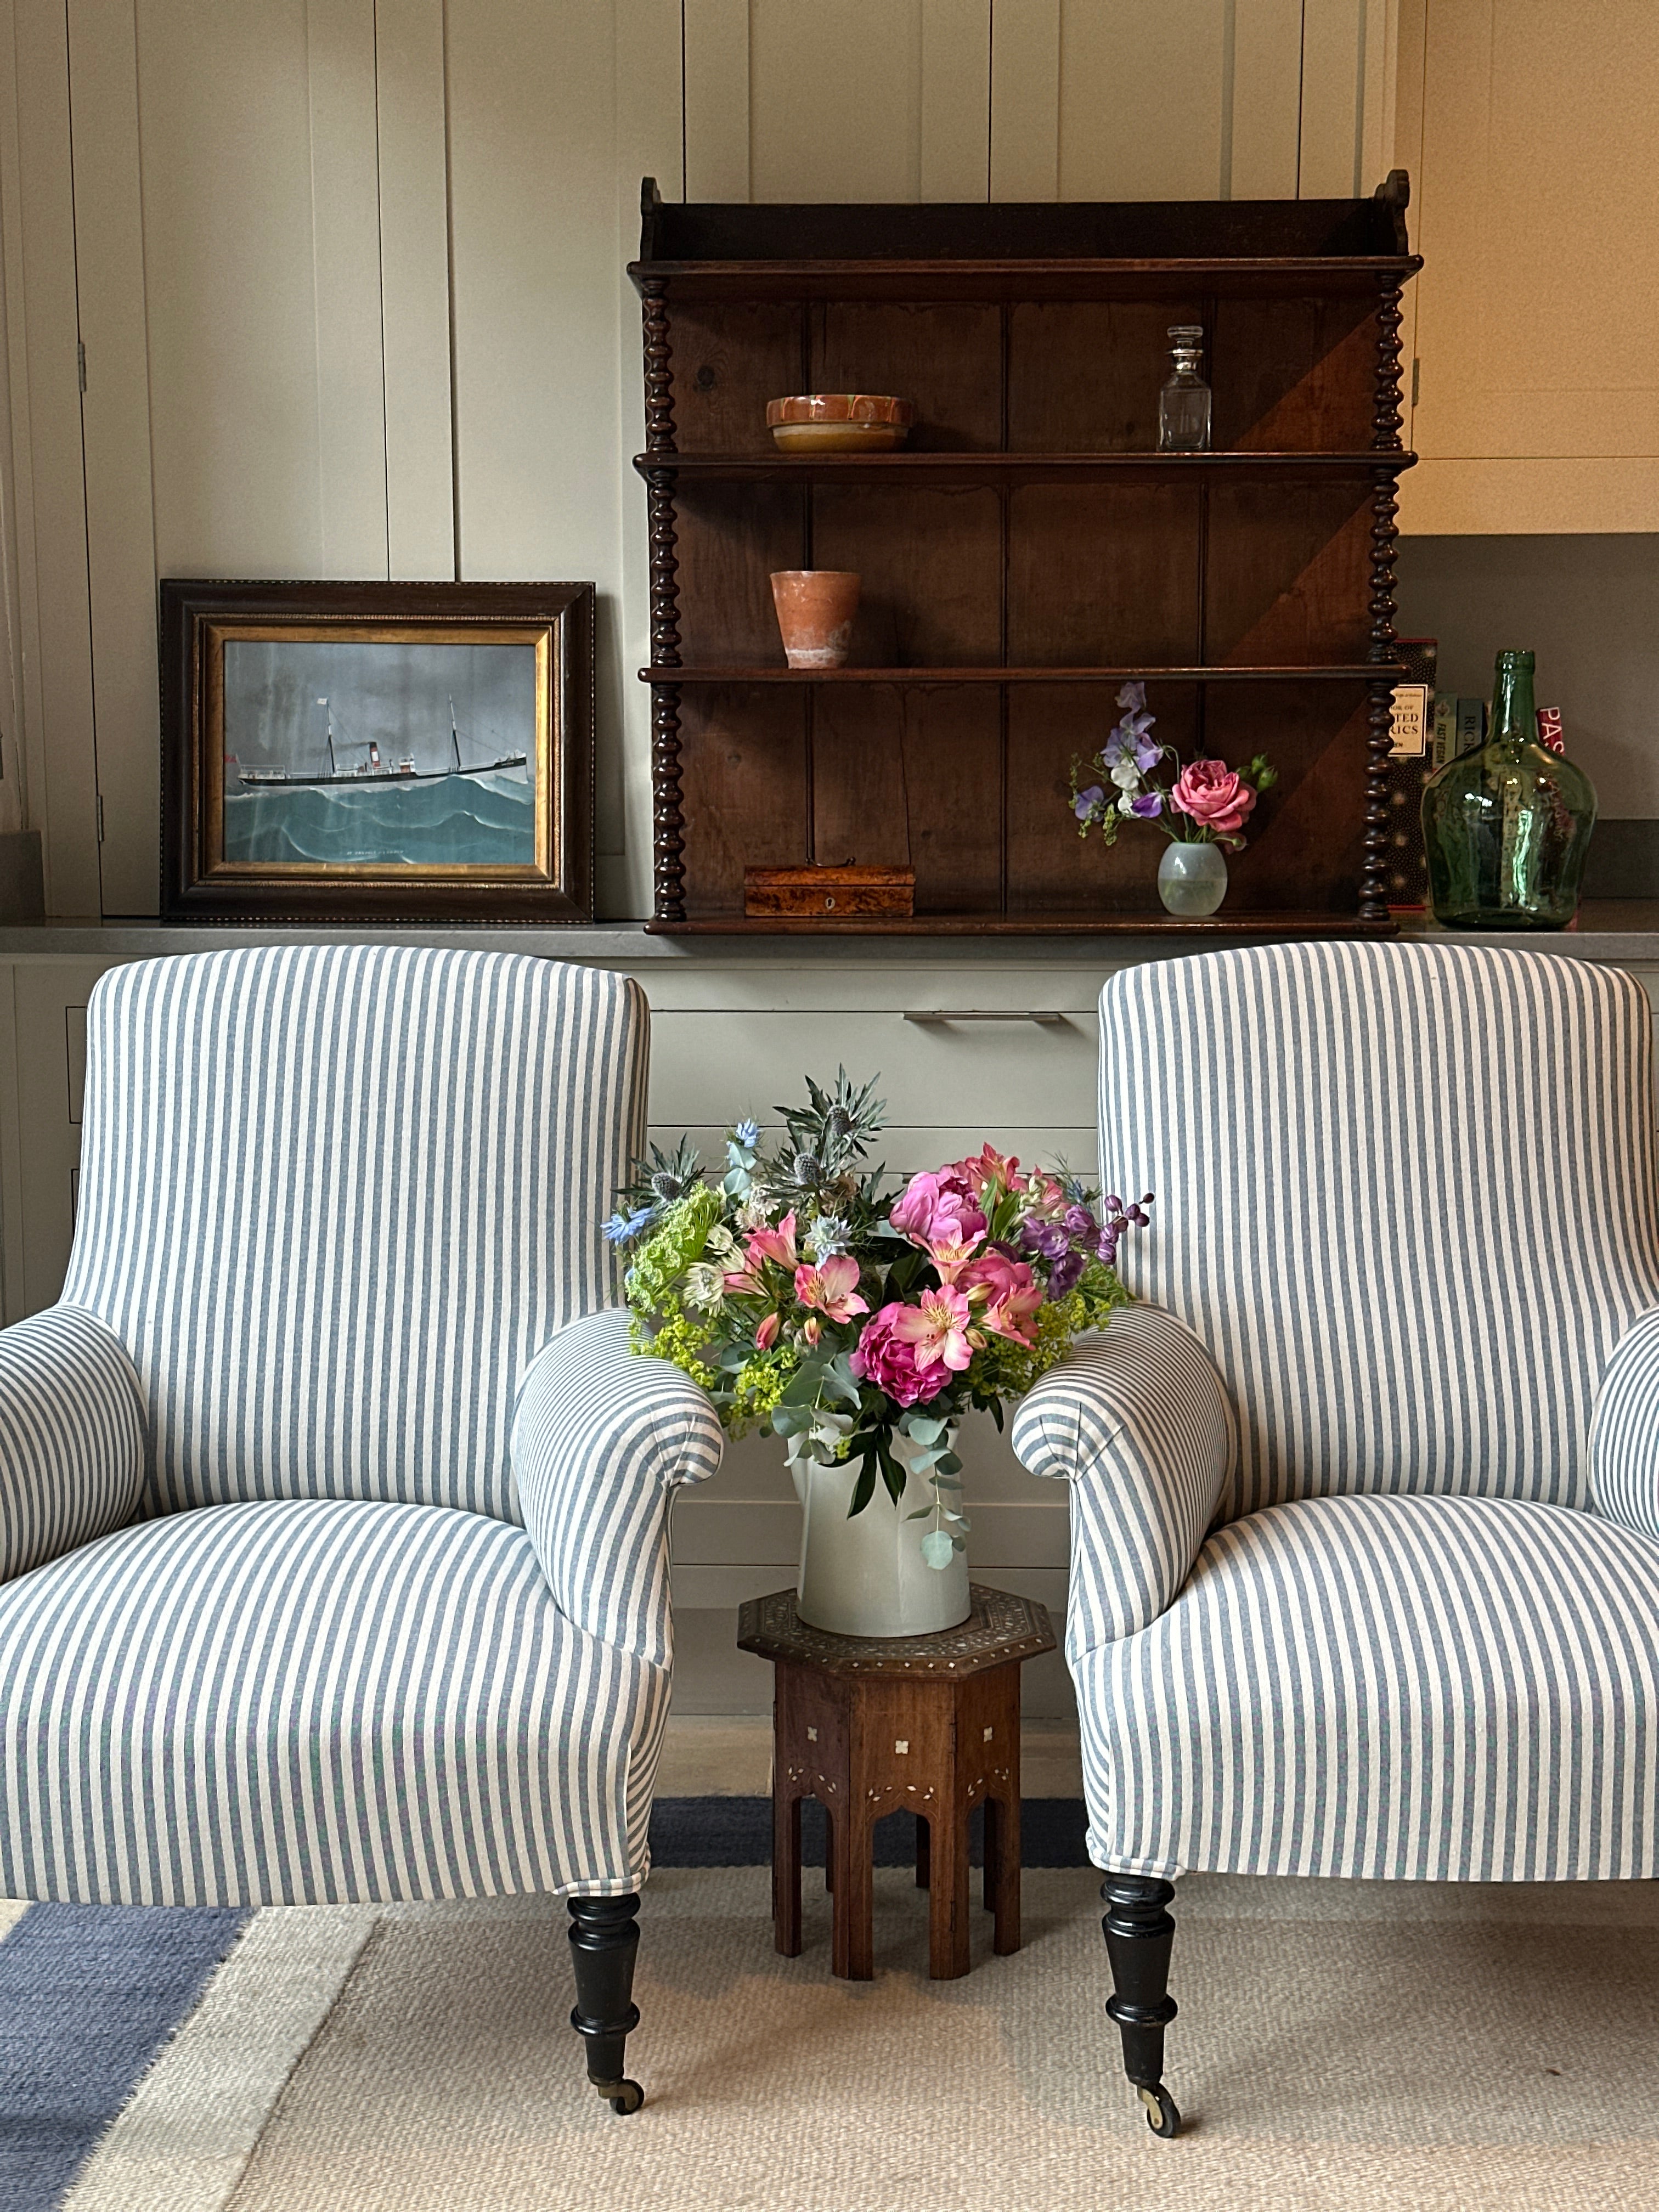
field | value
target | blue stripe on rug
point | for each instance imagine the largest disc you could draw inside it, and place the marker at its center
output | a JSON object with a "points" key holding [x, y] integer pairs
{"points": [[89, 1995]]}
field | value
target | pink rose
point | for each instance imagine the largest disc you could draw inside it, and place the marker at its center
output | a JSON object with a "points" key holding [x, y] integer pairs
{"points": [[887, 1359], [937, 1209], [1214, 797]]}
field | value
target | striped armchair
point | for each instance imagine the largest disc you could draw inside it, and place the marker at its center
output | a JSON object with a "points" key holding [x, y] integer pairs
{"points": [[1365, 1497], [332, 1505]]}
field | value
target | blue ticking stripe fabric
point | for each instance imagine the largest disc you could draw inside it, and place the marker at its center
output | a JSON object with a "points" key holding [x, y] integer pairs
{"points": [[1625, 1443], [72, 1436], [1140, 1419], [335, 1198], [1406, 1205], [1419, 1689], [1405, 1196], [311, 1702], [601, 1440]]}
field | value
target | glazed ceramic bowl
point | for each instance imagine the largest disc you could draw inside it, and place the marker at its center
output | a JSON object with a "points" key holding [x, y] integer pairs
{"points": [[840, 422]]}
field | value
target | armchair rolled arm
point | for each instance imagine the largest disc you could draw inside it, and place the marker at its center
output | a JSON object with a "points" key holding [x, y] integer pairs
{"points": [[1138, 1421], [1624, 1447], [72, 1447], [602, 1438]]}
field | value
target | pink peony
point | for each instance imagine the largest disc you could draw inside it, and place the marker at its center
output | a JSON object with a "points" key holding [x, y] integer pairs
{"points": [[831, 1288], [1011, 1294], [890, 1362], [1214, 797], [938, 1209]]}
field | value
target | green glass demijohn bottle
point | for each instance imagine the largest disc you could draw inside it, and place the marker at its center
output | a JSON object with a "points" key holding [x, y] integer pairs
{"points": [[1506, 828]]}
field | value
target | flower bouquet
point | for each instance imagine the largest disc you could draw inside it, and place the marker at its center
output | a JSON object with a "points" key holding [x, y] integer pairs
{"points": [[860, 1324], [1203, 808]]}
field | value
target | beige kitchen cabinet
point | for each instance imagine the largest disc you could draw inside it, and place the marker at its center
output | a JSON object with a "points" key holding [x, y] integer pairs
{"points": [[1528, 128]]}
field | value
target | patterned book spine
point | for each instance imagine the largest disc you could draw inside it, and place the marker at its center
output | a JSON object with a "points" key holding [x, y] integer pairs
{"points": [[1410, 762]]}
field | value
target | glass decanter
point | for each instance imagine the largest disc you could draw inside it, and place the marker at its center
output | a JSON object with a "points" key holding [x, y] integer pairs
{"points": [[1183, 405], [1506, 828]]}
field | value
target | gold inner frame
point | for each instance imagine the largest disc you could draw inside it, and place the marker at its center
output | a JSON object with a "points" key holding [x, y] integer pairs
{"points": [[208, 714]]}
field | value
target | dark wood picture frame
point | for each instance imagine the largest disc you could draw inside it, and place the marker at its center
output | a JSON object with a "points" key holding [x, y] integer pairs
{"points": [[199, 616]]}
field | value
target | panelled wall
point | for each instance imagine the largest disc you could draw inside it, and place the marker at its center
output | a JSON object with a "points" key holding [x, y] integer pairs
{"points": [[346, 278]]}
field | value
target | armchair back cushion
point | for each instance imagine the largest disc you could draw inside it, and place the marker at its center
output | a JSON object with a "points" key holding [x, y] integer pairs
{"points": [[334, 1199], [1405, 1194]]}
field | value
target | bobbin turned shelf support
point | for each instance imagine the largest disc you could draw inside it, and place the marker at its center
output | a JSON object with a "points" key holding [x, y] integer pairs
{"points": [[668, 818]]}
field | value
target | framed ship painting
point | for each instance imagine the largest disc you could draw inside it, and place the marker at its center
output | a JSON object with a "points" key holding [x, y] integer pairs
{"points": [[377, 752]]}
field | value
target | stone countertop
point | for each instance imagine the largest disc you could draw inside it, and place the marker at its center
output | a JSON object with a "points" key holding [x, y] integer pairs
{"points": [[1619, 930]]}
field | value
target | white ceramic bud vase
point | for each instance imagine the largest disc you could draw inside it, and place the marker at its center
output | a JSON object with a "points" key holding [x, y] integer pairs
{"points": [[866, 1575], [1191, 879]]}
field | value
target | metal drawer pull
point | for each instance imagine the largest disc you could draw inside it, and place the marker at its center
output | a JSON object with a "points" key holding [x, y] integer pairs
{"points": [[975, 1014]]}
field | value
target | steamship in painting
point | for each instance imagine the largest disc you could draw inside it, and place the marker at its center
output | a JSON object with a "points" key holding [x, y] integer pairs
{"points": [[304, 784]]}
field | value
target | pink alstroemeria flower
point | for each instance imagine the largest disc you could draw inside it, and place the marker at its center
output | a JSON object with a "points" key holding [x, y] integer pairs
{"points": [[760, 1246], [1011, 1293], [952, 1255], [766, 1334], [988, 1167], [936, 1328], [832, 1289], [777, 1243]]}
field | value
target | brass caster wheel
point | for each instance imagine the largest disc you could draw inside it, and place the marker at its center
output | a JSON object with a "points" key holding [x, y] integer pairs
{"points": [[1162, 2113], [628, 2096]]}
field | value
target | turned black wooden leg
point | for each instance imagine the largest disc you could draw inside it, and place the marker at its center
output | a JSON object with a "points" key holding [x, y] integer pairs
{"points": [[1139, 1933], [604, 1938]]}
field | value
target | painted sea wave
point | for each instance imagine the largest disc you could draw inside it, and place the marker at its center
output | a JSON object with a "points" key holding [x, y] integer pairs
{"points": [[487, 819]]}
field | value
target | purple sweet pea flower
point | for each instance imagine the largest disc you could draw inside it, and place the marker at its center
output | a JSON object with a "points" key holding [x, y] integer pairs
{"points": [[1133, 696], [1046, 1237], [1081, 1222], [1148, 805], [1086, 802]]}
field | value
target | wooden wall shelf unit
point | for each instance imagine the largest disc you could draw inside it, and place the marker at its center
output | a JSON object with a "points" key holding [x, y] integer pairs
{"points": [[1029, 547]]}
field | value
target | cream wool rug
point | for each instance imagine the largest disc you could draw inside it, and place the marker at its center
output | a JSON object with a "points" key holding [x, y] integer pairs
{"points": [[1360, 2045]]}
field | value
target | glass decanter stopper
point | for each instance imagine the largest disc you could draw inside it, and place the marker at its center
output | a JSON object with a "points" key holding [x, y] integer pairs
{"points": [[1183, 405]]}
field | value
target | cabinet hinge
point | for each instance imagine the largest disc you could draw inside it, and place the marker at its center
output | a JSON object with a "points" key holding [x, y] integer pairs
{"points": [[80, 362], [1417, 380], [100, 818]]}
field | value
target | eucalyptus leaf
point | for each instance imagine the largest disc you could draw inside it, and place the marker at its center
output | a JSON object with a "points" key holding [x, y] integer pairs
{"points": [[925, 1430], [804, 1384], [937, 1549], [864, 1489], [950, 1464], [921, 1513], [942, 1481], [790, 1420]]}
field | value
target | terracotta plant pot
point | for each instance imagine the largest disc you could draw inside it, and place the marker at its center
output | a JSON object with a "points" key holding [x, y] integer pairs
{"points": [[816, 607]]}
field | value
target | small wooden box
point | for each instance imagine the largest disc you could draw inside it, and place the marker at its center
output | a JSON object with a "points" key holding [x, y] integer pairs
{"points": [[829, 893]]}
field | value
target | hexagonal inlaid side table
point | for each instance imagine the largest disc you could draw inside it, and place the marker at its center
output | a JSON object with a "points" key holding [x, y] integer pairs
{"points": [[871, 1725]]}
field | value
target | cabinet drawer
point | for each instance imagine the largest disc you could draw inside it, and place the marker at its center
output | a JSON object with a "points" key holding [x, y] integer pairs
{"points": [[709, 1069]]}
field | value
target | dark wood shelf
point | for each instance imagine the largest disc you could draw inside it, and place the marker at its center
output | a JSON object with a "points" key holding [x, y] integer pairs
{"points": [[1284, 275], [1352, 672], [931, 468], [1153, 923], [1005, 547]]}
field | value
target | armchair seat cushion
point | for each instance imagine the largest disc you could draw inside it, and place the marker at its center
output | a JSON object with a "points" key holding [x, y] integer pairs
{"points": [[310, 1701], [1453, 1689]]}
